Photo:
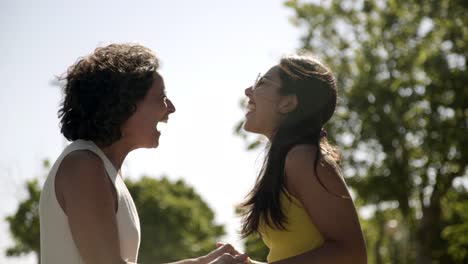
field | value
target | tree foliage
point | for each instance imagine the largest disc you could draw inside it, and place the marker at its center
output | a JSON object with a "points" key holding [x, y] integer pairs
{"points": [[255, 248], [401, 66], [24, 223], [175, 222]]}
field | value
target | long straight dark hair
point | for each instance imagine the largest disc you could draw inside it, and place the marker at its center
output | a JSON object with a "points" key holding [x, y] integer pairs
{"points": [[315, 88]]}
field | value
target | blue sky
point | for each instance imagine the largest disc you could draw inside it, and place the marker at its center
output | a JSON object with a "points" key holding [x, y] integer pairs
{"points": [[210, 52]]}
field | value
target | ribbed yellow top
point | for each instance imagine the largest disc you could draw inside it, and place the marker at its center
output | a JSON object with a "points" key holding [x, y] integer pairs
{"points": [[300, 235]]}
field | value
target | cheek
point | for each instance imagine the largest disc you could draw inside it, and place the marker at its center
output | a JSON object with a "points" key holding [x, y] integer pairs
{"points": [[134, 123], [143, 118], [150, 112], [159, 108], [267, 111]]}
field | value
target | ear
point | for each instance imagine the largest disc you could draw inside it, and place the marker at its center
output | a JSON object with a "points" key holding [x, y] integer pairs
{"points": [[287, 104]]}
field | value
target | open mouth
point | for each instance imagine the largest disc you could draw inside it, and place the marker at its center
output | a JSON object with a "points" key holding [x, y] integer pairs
{"points": [[161, 125], [250, 107]]}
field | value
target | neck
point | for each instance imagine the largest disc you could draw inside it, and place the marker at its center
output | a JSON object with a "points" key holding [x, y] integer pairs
{"points": [[270, 135], [116, 153]]}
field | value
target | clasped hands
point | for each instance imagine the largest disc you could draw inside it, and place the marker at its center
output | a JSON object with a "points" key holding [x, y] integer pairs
{"points": [[224, 254]]}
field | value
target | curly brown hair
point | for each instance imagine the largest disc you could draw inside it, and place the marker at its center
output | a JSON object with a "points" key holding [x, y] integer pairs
{"points": [[101, 91]]}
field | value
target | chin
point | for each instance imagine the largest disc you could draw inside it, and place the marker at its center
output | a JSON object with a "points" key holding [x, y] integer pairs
{"points": [[155, 140], [155, 143]]}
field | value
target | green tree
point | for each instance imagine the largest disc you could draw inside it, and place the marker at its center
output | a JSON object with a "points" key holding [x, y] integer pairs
{"points": [[402, 116], [175, 222], [24, 223], [455, 205], [255, 248], [401, 66]]}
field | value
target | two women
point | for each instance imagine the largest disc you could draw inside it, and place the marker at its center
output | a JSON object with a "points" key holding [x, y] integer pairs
{"points": [[114, 100]]}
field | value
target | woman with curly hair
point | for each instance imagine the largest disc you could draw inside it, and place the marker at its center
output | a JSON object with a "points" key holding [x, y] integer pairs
{"points": [[300, 204], [113, 101]]}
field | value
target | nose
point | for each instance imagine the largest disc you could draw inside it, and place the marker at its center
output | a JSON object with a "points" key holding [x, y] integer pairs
{"points": [[170, 107], [248, 91]]}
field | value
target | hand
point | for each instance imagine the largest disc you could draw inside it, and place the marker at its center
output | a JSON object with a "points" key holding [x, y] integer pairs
{"points": [[227, 258], [236, 253], [217, 254]]}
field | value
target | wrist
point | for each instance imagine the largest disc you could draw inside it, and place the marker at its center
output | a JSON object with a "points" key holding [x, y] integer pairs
{"points": [[201, 260]]}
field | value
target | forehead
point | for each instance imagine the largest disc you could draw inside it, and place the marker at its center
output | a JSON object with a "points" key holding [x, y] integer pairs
{"points": [[158, 84], [273, 74]]}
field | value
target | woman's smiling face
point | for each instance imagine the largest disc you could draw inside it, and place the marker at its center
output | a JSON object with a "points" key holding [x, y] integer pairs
{"points": [[263, 115], [141, 128]]}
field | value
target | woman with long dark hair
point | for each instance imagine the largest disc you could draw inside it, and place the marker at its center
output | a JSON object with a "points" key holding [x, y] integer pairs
{"points": [[300, 204]]}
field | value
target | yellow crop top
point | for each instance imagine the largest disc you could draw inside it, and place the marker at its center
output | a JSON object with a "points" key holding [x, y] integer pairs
{"points": [[300, 235]]}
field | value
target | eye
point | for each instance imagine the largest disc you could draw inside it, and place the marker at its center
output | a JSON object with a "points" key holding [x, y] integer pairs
{"points": [[163, 96], [258, 83]]}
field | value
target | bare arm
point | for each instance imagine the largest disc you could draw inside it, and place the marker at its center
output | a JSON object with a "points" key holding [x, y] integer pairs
{"points": [[335, 217], [86, 195]]}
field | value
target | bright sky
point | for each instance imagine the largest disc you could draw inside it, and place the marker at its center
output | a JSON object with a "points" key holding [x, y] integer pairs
{"points": [[210, 52]]}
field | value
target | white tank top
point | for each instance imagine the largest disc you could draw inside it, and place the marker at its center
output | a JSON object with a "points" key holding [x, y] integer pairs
{"points": [[57, 245]]}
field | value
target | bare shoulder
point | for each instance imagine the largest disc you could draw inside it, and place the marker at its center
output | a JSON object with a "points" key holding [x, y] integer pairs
{"points": [[301, 153], [81, 173], [321, 191], [81, 162], [300, 171], [84, 191]]}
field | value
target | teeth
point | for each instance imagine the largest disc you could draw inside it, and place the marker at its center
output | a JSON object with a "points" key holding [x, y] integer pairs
{"points": [[161, 126], [251, 107]]}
